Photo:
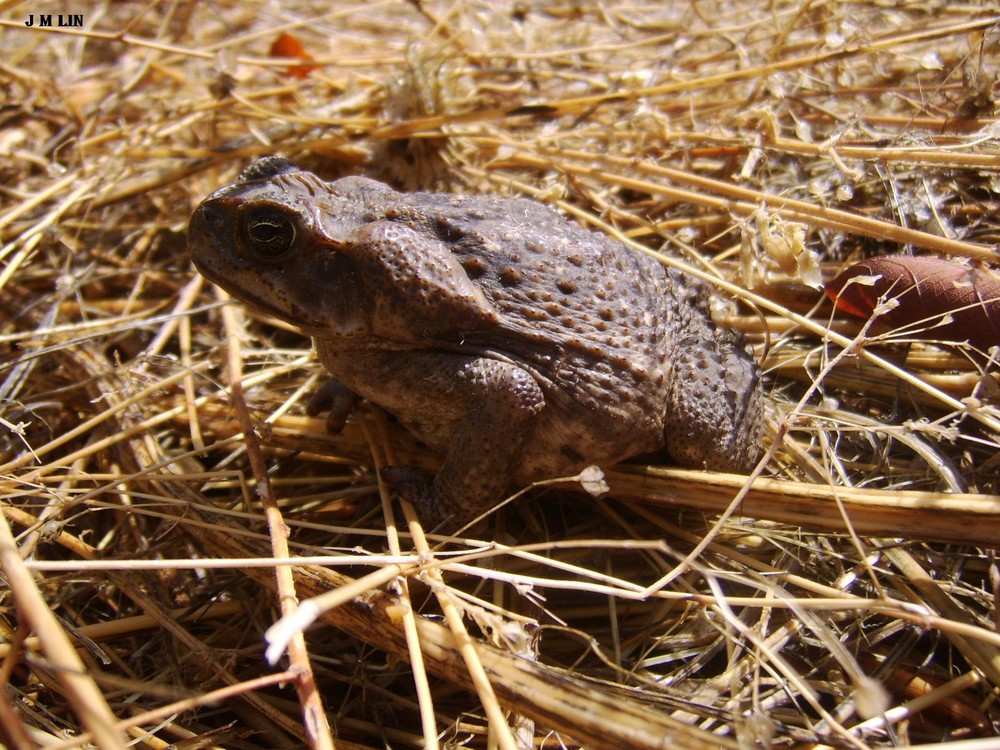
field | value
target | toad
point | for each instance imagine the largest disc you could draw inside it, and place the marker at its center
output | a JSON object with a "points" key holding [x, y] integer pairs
{"points": [[516, 344]]}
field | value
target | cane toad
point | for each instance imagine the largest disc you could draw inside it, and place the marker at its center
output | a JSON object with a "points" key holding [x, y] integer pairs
{"points": [[516, 344]]}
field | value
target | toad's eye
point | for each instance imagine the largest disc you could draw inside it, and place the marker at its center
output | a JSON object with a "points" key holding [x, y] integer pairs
{"points": [[270, 233]]}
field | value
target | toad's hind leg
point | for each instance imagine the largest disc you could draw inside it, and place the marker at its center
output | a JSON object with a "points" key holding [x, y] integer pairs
{"points": [[715, 412], [477, 412], [501, 401]]}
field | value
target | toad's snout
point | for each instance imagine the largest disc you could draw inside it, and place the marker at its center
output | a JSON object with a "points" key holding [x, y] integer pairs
{"points": [[208, 216], [207, 235]]}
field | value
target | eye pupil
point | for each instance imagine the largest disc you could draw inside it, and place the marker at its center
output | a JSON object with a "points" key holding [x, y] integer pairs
{"points": [[269, 232]]}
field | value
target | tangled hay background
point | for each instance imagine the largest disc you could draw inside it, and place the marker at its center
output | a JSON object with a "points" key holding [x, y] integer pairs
{"points": [[847, 598]]}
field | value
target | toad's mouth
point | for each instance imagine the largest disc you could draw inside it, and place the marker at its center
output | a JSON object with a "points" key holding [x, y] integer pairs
{"points": [[267, 301], [291, 313]]}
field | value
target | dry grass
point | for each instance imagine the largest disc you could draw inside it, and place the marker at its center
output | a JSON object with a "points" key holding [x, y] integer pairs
{"points": [[847, 598]]}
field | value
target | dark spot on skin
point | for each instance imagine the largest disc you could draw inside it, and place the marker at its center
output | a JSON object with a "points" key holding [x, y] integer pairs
{"points": [[576, 260], [510, 276], [566, 286], [571, 454], [447, 232], [474, 267], [606, 313], [552, 308]]}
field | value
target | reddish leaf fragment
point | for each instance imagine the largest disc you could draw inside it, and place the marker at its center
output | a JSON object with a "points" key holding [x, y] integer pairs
{"points": [[942, 300], [287, 45]]}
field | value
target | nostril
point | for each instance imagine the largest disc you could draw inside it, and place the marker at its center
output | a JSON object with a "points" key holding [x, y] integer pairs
{"points": [[210, 215]]}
